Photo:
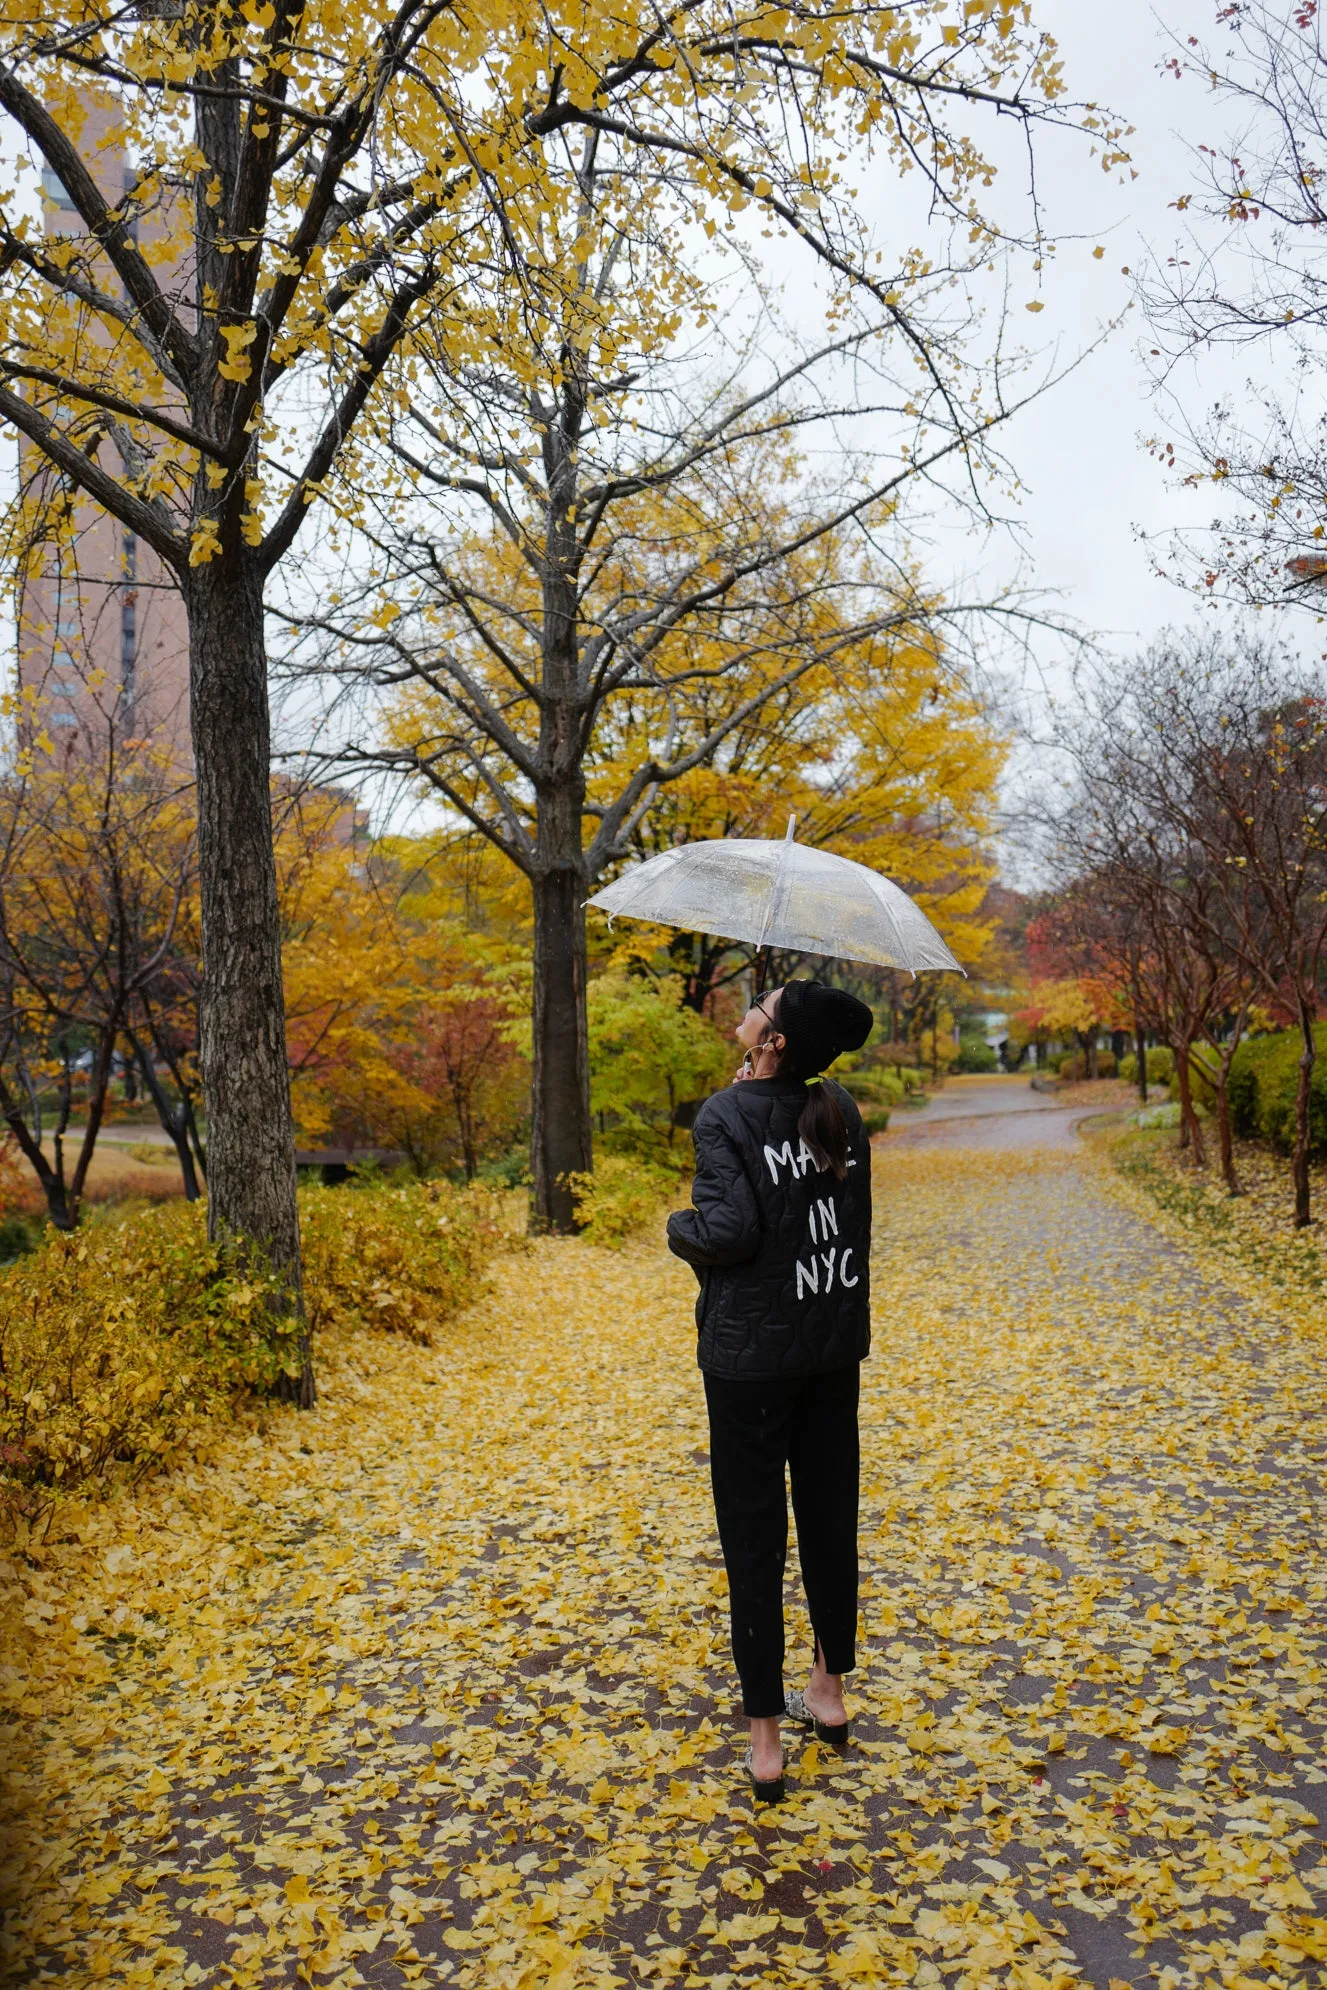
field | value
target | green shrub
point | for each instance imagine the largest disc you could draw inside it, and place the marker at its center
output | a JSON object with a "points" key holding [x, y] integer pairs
{"points": [[648, 1054], [874, 1085], [1072, 1066], [975, 1054], [1264, 1079], [876, 1119], [1166, 1114], [509, 1170], [18, 1236], [1160, 1066], [622, 1195], [117, 1343]]}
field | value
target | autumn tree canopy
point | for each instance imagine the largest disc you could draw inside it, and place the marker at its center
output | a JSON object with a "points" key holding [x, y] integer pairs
{"points": [[326, 188]]}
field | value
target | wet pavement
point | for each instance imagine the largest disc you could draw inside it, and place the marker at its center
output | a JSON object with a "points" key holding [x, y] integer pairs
{"points": [[986, 1113]]}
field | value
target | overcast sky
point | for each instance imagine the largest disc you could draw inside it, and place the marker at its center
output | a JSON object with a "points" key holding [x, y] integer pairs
{"points": [[1090, 484]]}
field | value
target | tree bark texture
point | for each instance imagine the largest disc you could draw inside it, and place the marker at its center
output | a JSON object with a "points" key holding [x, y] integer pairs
{"points": [[1191, 1133], [174, 1121], [250, 1137], [1140, 1052], [1229, 1173], [560, 1131], [1303, 1096], [560, 1139]]}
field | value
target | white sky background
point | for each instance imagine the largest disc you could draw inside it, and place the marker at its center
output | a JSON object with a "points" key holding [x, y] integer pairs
{"points": [[1090, 485], [1092, 512], [1092, 496]]}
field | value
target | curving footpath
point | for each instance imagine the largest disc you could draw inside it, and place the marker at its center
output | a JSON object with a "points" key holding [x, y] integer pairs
{"points": [[430, 1686]]}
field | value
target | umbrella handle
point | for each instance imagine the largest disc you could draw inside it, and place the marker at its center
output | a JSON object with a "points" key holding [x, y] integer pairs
{"points": [[761, 965]]}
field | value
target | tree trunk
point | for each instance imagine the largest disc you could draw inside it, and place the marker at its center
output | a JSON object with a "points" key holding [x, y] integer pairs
{"points": [[561, 1140], [195, 1141], [51, 1179], [242, 1039], [1191, 1134], [1140, 1052], [1303, 1096], [465, 1122], [28, 1139], [560, 1130], [99, 1084], [1220, 1083], [695, 965], [173, 1121]]}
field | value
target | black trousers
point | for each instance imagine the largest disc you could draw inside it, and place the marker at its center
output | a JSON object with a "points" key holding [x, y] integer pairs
{"points": [[808, 1425]]}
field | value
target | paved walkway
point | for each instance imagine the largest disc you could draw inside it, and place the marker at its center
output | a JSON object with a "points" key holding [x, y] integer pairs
{"points": [[989, 1113], [432, 1685], [981, 1097]]}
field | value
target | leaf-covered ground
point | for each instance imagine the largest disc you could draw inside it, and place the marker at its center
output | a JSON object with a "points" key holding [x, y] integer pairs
{"points": [[1251, 1232], [432, 1685]]}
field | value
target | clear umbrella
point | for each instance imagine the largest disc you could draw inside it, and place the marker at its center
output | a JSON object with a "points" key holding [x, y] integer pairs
{"points": [[787, 895]]}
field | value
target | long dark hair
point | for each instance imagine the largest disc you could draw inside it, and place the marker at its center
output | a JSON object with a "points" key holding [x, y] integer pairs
{"points": [[821, 1123], [825, 1130]]}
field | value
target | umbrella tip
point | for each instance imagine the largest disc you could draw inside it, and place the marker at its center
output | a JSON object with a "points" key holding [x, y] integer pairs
{"points": [[788, 833]]}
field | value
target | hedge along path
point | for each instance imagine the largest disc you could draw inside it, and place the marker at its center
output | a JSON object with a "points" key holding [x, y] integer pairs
{"points": [[431, 1684]]}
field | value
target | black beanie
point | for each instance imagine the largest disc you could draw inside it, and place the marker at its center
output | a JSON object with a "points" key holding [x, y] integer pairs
{"points": [[820, 1024]]}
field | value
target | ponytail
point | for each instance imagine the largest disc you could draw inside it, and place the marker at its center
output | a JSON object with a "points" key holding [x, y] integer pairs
{"points": [[821, 1123], [824, 1129]]}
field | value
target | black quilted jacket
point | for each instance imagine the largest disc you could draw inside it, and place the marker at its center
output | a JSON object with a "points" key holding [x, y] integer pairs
{"points": [[781, 1250]]}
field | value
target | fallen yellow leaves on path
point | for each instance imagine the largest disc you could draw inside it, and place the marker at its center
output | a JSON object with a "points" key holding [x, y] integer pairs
{"points": [[432, 1685]]}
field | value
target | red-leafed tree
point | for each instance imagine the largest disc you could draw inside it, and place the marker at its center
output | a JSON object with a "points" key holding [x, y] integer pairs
{"points": [[459, 1053]]}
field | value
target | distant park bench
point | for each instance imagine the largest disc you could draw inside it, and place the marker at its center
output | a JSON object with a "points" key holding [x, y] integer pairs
{"points": [[337, 1163]]}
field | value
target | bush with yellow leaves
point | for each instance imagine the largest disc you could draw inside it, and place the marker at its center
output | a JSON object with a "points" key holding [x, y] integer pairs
{"points": [[402, 1259], [622, 1196], [116, 1343]]}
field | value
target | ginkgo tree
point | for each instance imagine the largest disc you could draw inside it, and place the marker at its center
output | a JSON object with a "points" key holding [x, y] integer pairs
{"points": [[1077, 1006], [729, 629], [194, 348], [593, 510]]}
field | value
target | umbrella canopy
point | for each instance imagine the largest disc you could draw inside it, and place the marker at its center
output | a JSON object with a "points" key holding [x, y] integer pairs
{"points": [[787, 895]]}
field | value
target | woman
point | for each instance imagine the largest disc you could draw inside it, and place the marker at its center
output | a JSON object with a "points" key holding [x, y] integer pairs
{"points": [[779, 1234]]}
